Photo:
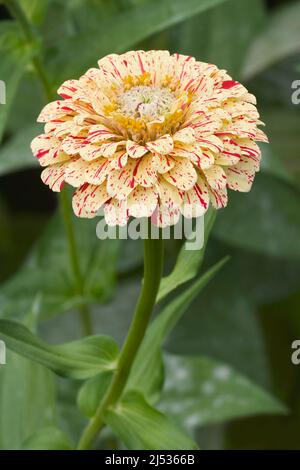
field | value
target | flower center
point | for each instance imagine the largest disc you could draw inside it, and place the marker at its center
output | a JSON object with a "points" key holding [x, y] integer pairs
{"points": [[146, 102]]}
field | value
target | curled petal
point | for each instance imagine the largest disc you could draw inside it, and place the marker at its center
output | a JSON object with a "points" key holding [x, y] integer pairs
{"points": [[163, 163], [48, 150], [98, 133], [212, 143], [120, 183], [169, 195], [54, 176], [185, 136], [163, 145], [75, 172], [183, 175], [88, 199], [216, 177], [142, 202], [110, 148], [68, 88], [218, 198], [164, 216], [73, 144], [196, 200], [119, 160], [116, 212], [260, 136], [55, 110], [239, 178], [231, 153], [144, 172], [135, 150]]}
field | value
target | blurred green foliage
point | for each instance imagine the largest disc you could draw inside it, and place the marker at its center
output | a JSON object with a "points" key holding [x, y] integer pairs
{"points": [[228, 358]]}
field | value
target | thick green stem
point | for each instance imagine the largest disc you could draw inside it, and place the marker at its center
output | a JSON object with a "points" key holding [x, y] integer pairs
{"points": [[73, 253], [153, 265], [28, 31]]}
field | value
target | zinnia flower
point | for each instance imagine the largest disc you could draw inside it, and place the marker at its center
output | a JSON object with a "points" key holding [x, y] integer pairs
{"points": [[149, 134]]}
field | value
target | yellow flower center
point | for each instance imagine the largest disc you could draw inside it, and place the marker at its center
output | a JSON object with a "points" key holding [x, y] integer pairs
{"points": [[143, 111], [148, 103]]}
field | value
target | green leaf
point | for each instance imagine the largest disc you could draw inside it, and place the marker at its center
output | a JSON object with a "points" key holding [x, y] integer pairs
{"points": [[91, 393], [48, 271], [79, 359], [48, 439], [27, 400], [27, 395], [221, 35], [188, 262], [120, 31], [199, 391], [145, 368], [279, 39], [15, 56], [222, 323], [269, 219], [70, 420], [276, 279], [142, 427]]}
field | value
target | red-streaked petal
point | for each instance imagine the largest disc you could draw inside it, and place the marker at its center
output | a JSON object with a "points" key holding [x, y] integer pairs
{"points": [[163, 145], [164, 216], [98, 133], [97, 171], [48, 150], [56, 110], [54, 176], [169, 195], [202, 159], [120, 183], [239, 179], [116, 212], [218, 198], [163, 163], [68, 88], [72, 144], [75, 172], [142, 202], [119, 160], [215, 177], [110, 148], [183, 175], [185, 136], [231, 153], [88, 199], [144, 172], [196, 200], [135, 150]]}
